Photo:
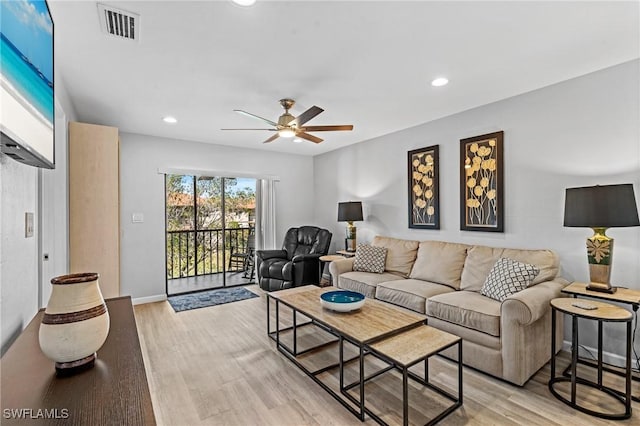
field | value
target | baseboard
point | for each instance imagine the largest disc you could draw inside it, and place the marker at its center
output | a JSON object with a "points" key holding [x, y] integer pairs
{"points": [[149, 299], [607, 357]]}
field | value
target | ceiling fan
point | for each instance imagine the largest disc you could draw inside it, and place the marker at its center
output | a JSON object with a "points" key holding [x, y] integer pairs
{"points": [[289, 126]]}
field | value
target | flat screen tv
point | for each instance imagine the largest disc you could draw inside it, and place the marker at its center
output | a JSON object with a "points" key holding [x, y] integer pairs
{"points": [[26, 82]]}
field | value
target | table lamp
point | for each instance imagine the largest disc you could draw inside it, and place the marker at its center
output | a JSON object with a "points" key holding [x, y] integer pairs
{"points": [[599, 208], [349, 212]]}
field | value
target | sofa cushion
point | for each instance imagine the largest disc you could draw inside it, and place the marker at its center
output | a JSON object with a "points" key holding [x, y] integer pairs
{"points": [[440, 262], [400, 254], [480, 260], [508, 277], [370, 259], [364, 282], [411, 294], [467, 334], [467, 309]]}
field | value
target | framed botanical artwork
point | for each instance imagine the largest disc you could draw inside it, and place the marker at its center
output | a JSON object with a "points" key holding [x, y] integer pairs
{"points": [[481, 183], [423, 182]]}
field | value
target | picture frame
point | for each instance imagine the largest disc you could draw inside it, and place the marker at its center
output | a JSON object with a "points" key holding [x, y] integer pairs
{"points": [[482, 183], [424, 187]]}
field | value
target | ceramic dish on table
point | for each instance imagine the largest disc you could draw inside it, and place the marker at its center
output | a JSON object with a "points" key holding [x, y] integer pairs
{"points": [[342, 300]]}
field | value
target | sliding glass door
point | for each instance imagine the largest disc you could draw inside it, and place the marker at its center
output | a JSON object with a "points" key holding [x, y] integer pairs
{"points": [[210, 232]]}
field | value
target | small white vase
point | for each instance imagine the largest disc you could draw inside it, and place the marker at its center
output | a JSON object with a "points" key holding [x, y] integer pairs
{"points": [[75, 323]]}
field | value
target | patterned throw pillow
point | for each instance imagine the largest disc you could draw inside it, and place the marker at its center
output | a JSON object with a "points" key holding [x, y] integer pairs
{"points": [[507, 277], [369, 259]]}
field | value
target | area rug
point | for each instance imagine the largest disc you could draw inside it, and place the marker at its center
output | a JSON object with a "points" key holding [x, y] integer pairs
{"points": [[204, 299]]}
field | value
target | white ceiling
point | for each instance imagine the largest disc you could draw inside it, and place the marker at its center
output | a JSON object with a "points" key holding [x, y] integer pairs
{"points": [[369, 64]]}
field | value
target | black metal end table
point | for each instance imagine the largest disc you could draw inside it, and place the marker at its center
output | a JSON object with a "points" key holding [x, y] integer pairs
{"points": [[603, 312]]}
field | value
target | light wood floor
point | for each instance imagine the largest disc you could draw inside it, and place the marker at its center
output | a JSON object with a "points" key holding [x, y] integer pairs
{"points": [[216, 366]]}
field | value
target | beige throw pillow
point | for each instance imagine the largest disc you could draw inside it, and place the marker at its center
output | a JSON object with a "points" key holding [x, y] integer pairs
{"points": [[400, 254], [440, 262], [480, 260]]}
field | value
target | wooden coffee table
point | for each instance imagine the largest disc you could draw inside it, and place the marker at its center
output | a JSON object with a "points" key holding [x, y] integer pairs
{"points": [[407, 349], [363, 328]]}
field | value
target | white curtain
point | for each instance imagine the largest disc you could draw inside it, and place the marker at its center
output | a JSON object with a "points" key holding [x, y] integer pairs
{"points": [[266, 214]]}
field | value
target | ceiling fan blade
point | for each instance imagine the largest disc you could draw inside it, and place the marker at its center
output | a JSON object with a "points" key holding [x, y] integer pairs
{"points": [[272, 138], [305, 116], [326, 128], [309, 137], [271, 130], [273, 123]]}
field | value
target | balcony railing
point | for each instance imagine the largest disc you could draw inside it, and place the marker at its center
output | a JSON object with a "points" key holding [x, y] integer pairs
{"points": [[192, 253]]}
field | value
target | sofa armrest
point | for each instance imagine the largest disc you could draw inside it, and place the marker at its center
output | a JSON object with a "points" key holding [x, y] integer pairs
{"points": [[341, 266], [531, 304], [525, 330]]}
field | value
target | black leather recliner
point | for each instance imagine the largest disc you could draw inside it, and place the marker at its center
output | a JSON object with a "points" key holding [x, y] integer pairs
{"points": [[297, 263]]}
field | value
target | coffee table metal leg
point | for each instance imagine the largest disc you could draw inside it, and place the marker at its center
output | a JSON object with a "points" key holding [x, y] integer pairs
{"points": [[341, 361], [362, 414], [460, 373], [295, 333], [268, 315], [426, 369], [277, 323], [405, 396]]}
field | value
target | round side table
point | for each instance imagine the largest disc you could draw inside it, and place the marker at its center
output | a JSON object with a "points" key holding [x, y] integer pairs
{"points": [[604, 312], [328, 258]]}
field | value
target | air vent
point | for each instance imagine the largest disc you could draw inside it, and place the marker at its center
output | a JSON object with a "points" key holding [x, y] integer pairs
{"points": [[119, 23]]}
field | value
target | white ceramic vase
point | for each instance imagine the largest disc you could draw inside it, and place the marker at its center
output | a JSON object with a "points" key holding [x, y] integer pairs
{"points": [[75, 323]]}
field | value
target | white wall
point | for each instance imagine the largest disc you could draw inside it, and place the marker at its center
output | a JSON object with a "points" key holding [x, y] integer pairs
{"points": [[142, 245], [18, 255], [53, 224], [580, 132], [24, 277]]}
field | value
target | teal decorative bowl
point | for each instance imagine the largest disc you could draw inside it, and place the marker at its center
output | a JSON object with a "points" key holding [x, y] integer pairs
{"points": [[342, 300]]}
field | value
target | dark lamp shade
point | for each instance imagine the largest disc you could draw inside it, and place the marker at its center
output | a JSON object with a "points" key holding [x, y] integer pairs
{"points": [[350, 211], [605, 206]]}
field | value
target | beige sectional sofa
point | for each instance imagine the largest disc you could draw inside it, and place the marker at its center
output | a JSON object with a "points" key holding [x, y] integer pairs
{"points": [[510, 339]]}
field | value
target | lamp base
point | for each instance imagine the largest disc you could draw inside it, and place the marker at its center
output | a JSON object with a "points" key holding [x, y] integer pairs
{"points": [[350, 245], [350, 241], [600, 257], [602, 288]]}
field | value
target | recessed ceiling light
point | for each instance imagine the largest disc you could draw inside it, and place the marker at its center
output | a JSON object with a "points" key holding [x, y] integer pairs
{"points": [[244, 2], [297, 140], [169, 119], [440, 81]]}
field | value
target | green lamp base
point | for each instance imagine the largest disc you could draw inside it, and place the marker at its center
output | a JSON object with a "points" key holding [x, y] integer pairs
{"points": [[600, 257]]}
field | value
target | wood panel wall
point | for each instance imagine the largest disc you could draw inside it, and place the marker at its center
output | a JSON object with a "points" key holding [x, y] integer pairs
{"points": [[94, 203]]}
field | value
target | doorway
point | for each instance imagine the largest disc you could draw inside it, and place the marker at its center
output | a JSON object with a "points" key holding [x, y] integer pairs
{"points": [[210, 232]]}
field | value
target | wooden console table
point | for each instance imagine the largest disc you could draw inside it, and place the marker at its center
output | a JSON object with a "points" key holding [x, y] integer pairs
{"points": [[114, 391]]}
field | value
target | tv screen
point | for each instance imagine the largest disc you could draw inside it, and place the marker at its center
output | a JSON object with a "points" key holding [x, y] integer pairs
{"points": [[26, 82]]}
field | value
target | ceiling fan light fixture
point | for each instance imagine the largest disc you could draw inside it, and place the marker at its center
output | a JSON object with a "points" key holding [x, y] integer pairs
{"points": [[440, 81], [286, 133], [289, 126], [245, 3]]}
